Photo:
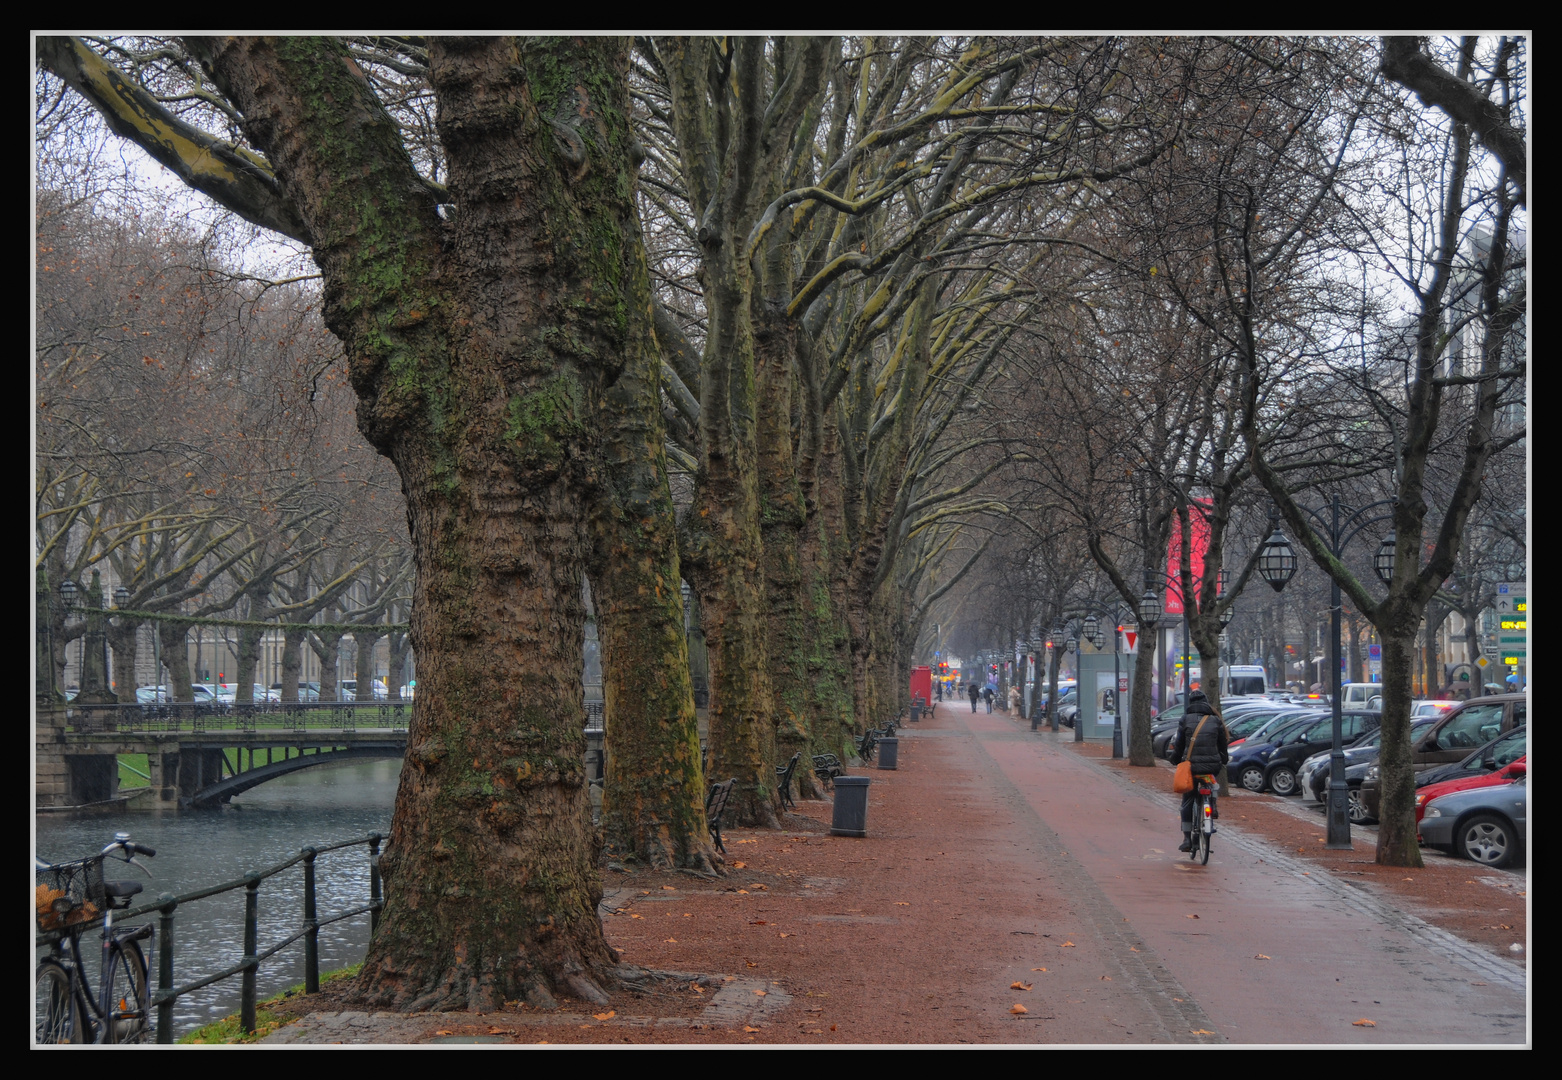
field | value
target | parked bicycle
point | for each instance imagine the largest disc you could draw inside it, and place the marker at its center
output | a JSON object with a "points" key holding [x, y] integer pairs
{"points": [[70, 897], [1203, 817]]}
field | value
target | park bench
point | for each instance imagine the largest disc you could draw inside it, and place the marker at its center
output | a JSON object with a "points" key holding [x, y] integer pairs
{"points": [[784, 780], [715, 806], [870, 739], [827, 767]]}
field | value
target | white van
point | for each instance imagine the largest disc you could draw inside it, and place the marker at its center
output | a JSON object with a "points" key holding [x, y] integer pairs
{"points": [[1239, 680], [1361, 695]]}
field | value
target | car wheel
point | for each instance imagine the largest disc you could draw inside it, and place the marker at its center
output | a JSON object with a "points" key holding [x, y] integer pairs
{"points": [[1356, 808], [1252, 778], [1487, 840], [1282, 781]]}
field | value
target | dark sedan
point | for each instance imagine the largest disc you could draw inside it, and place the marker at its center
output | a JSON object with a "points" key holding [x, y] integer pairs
{"points": [[1507, 747]]}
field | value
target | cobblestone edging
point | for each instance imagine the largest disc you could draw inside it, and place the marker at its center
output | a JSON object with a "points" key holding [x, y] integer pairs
{"points": [[737, 1003]]}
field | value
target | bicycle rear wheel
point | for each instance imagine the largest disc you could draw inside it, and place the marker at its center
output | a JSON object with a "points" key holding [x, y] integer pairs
{"points": [[126, 1021], [1203, 847], [56, 1013]]}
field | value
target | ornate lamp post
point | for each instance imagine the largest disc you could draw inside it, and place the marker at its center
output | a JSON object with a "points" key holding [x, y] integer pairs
{"points": [[1277, 565]]}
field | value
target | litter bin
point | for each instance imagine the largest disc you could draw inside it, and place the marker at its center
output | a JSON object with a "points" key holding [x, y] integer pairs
{"points": [[889, 753], [851, 806], [916, 711]]}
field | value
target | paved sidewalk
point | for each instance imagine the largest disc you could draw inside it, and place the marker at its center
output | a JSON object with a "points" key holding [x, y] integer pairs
{"points": [[1010, 890]]}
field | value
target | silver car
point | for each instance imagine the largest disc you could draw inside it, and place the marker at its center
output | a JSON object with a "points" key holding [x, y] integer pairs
{"points": [[1488, 825]]}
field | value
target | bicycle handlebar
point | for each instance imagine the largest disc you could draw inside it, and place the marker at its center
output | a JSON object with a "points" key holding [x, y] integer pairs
{"points": [[141, 849]]}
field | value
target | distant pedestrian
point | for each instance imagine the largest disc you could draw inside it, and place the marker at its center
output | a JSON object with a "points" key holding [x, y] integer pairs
{"points": [[1014, 699], [987, 696], [938, 688], [973, 693]]}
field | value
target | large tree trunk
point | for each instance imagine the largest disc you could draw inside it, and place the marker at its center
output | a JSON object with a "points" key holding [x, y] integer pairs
{"points": [[327, 646], [653, 799], [1140, 750], [792, 636], [176, 656], [292, 661], [363, 662], [1397, 809], [122, 643], [476, 350]]}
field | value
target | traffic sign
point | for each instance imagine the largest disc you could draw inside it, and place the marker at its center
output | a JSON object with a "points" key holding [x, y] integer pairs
{"points": [[1131, 640]]}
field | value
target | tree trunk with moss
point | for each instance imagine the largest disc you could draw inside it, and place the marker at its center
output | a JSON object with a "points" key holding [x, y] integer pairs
{"points": [[477, 349], [653, 805]]}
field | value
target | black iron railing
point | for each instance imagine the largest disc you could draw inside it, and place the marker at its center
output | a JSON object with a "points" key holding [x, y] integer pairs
{"points": [[179, 716], [163, 998]]}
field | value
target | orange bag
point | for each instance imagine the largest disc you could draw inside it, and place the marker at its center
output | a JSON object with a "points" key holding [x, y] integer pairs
{"points": [[1182, 779]]}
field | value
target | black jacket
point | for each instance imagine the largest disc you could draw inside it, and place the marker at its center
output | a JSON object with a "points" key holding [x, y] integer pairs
{"points": [[1207, 754]]}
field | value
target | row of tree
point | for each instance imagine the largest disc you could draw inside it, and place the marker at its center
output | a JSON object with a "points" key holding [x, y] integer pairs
{"points": [[813, 324]]}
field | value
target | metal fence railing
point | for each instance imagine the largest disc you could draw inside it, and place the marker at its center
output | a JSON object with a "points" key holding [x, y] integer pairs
{"points": [[166, 907], [177, 716]]}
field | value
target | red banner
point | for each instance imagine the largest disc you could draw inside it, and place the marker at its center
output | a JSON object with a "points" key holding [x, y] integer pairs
{"points": [[1198, 534]]}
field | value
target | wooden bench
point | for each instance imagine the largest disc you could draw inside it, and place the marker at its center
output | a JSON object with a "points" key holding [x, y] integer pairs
{"points": [[715, 806], [784, 780]]}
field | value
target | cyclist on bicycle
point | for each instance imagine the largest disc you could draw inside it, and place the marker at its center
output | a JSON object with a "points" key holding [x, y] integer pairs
{"points": [[1204, 747]]}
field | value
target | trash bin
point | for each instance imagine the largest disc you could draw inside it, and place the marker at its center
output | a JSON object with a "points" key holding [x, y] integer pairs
{"points": [[889, 753], [851, 806], [916, 711]]}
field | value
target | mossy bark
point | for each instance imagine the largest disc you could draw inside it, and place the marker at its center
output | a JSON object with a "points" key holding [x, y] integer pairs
{"points": [[653, 805], [477, 348]]}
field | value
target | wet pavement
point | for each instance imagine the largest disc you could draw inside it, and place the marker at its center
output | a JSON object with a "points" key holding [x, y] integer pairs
{"points": [[1000, 856]]}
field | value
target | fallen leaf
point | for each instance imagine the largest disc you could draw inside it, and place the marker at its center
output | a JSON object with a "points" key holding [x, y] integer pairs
{"points": [[1407, 879], [1132, 949], [1038, 969], [444, 1031], [499, 1031], [634, 916], [1106, 978], [1363, 1023], [1200, 1031], [1017, 985], [1067, 945], [757, 922], [669, 888], [607, 1015], [743, 891], [760, 888], [670, 940], [786, 935], [902, 903], [747, 1028], [1191, 916], [1018, 1010], [832, 1027], [740, 865], [1260, 956], [761, 993]]}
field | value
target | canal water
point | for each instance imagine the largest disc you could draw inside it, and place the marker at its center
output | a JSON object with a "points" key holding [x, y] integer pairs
{"points": [[261, 828]]}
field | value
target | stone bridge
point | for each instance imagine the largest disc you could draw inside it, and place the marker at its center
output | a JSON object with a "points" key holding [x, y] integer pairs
{"points": [[200, 755]]}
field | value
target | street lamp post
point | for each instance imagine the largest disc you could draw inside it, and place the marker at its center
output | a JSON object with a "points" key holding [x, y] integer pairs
{"points": [[1277, 565]]}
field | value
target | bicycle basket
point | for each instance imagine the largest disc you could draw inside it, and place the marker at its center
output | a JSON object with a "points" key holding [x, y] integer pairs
{"points": [[69, 893]]}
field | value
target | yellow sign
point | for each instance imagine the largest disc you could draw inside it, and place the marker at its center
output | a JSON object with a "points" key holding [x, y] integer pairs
{"points": [[1511, 661], [1514, 624]]}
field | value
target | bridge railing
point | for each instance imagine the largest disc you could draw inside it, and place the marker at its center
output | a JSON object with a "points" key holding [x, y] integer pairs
{"points": [[179, 716], [166, 906]]}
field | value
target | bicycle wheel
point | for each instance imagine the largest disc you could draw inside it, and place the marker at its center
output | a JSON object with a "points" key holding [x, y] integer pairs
{"points": [[56, 1014], [1203, 846], [127, 1018]]}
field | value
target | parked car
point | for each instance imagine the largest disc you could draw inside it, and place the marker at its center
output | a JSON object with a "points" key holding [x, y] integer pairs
{"points": [[347, 689], [1250, 757], [1431, 707], [1452, 738], [307, 691], [203, 694], [1501, 761], [1278, 770], [1359, 756], [1241, 720], [1487, 825], [1068, 707], [152, 695]]}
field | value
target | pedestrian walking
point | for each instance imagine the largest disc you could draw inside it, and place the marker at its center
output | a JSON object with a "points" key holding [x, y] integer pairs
{"points": [[987, 696], [1014, 699], [973, 693]]}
